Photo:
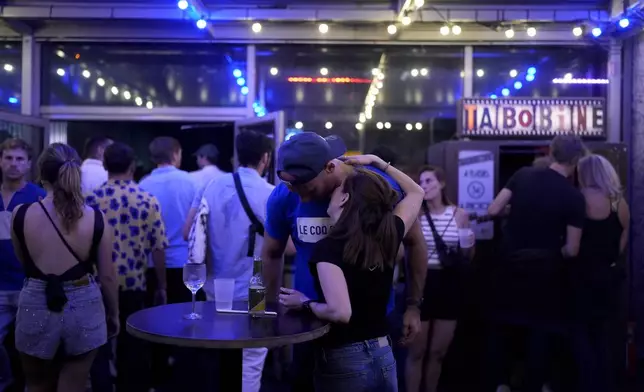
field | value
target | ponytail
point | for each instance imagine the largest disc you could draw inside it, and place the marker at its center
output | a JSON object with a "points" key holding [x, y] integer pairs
{"points": [[68, 199], [60, 167]]}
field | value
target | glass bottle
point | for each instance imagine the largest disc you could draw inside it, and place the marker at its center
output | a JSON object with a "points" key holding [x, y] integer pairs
{"points": [[256, 290]]}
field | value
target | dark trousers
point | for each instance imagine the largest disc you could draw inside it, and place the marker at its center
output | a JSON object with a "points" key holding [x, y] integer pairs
{"points": [[537, 341], [132, 354], [177, 292], [100, 373], [302, 367], [591, 342]]}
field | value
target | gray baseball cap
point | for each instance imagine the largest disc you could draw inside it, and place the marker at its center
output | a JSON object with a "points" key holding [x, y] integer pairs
{"points": [[306, 154]]}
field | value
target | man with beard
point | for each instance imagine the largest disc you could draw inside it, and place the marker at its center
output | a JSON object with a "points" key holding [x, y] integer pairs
{"points": [[15, 161], [312, 169]]}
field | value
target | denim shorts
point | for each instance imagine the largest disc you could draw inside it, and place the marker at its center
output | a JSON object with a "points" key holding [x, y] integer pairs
{"points": [[78, 329], [367, 366]]}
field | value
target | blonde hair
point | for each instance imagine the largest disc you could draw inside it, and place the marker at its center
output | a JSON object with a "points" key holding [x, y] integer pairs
{"points": [[59, 166], [597, 172]]}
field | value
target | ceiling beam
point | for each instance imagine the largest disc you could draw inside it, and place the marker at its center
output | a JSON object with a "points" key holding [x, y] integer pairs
{"points": [[19, 27], [417, 33], [456, 13]]}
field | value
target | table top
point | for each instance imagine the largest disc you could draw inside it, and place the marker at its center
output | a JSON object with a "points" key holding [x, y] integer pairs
{"points": [[166, 325]]}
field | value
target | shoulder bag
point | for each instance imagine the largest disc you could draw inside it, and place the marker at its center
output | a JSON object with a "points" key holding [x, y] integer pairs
{"points": [[256, 227], [449, 258]]}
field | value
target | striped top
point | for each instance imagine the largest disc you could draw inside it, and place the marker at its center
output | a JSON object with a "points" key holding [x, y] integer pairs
{"points": [[446, 226]]}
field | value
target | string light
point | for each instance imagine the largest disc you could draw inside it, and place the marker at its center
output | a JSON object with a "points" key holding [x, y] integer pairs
{"points": [[299, 125], [419, 3], [531, 31], [577, 31], [392, 29], [509, 33], [579, 81], [323, 28], [480, 73], [424, 71], [201, 24], [60, 72], [406, 20], [444, 30], [8, 67], [256, 27], [274, 71], [324, 71], [387, 125], [513, 73], [456, 30], [328, 125], [182, 4]]}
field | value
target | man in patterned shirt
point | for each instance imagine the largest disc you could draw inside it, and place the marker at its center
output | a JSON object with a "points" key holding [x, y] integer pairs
{"points": [[135, 217]]}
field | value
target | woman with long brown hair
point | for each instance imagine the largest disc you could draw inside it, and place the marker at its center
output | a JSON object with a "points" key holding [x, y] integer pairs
{"points": [[353, 271], [448, 235], [60, 310]]}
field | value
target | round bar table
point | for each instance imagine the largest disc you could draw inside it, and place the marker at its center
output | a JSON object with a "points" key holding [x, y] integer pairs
{"points": [[229, 331]]}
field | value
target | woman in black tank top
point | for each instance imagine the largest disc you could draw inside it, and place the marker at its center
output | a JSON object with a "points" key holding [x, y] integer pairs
{"points": [[61, 319], [597, 274]]}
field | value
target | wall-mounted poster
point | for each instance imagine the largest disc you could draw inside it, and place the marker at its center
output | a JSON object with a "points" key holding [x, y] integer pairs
{"points": [[476, 187], [530, 118]]}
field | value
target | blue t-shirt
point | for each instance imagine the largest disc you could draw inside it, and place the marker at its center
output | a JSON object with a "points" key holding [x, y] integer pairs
{"points": [[306, 223], [12, 274]]}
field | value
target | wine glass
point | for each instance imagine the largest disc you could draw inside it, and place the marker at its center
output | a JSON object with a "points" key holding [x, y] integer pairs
{"points": [[194, 277]]}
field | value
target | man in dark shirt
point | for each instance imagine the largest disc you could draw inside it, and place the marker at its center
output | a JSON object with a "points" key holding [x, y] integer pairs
{"points": [[543, 227]]}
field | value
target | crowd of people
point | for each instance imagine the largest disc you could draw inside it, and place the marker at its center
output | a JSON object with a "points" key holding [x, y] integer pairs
{"points": [[89, 247]]}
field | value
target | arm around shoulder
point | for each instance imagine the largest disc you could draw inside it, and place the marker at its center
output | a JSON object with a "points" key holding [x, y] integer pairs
{"points": [[624, 215]]}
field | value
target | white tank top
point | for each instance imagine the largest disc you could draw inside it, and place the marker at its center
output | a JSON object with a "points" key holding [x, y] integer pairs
{"points": [[446, 227]]}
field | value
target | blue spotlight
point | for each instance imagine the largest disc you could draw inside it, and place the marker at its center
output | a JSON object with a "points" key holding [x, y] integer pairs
{"points": [[237, 73], [13, 100], [532, 71], [518, 85], [201, 24], [529, 78], [244, 90], [623, 23], [493, 96], [241, 81], [505, 92], [182, 4], [596, 32]]}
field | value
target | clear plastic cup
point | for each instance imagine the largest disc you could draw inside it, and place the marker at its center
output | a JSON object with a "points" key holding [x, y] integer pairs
{"points": [[224, 292], [466, 238]]}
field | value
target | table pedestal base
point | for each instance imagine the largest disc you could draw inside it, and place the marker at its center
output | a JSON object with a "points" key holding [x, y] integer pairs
{"points": [[230, 370]]}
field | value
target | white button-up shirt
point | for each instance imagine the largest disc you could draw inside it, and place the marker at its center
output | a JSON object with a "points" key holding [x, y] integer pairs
{"points": [[228, 228], [208, 173], [93, 175]]}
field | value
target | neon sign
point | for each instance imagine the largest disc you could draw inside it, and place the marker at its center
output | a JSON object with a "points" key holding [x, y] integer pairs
{"points": [[532, 117]]}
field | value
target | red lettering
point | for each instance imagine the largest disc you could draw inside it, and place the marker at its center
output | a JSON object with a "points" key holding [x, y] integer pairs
{"points": [[525, 118]]}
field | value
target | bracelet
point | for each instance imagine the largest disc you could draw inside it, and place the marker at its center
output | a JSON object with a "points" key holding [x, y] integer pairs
{"points": [[386, 167]]}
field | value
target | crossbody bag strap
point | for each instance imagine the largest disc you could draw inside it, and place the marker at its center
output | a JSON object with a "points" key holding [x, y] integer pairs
{"points": [[256, 227], [69, 248], [438, 239]]}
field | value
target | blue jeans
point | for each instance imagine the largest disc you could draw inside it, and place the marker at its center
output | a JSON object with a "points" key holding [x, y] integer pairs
{"points": [[367, 366], [8, 309]]}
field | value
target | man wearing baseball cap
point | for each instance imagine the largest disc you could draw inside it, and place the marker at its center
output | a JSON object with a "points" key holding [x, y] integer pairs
{"points": [[311, 168]]}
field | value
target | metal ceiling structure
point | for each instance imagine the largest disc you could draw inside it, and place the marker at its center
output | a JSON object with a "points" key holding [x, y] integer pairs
{"points": [[291, 21]]}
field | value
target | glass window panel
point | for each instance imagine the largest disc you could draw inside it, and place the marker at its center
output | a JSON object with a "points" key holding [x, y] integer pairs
{"points": [[10, 75], [316, 85], [509, 68], [170, 75]]}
